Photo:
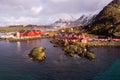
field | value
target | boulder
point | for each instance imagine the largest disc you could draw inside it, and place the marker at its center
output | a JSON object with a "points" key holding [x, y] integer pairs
{"points": [[71, 54], [90, 55], [69, 50], [80, 51], [38, 54]]}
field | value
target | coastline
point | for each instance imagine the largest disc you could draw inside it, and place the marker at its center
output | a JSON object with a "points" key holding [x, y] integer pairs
{"points": [[24, 39], [91, 43], [103, 44]]}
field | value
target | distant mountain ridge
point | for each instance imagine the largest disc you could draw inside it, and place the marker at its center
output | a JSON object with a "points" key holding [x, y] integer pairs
{"points": [[106, 22], [82, 21], [62, 23]]}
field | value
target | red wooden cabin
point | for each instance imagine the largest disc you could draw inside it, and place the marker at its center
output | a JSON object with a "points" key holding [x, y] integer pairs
{"points": [[88, 38], [115, 38], [31, 33], [103, 38]]}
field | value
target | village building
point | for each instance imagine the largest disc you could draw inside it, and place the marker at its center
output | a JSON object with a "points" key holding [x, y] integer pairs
{"points": [[72, 37], [115, 38], [28, 34], [102, 38]]}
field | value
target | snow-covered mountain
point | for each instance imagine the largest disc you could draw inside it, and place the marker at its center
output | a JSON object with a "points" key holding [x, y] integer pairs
{"points": [[62, 23], [82, 21]]}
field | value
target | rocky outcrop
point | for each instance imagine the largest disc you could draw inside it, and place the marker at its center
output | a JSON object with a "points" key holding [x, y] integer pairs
{"points": [[38, 54], [72, 49], [80, 50]]}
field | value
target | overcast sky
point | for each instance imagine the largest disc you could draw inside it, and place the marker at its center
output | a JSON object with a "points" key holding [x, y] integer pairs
{"points": [[15, 12]]}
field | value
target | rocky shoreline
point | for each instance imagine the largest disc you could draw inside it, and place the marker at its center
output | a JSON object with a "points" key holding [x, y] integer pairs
{"points": [[72, 49], [82, 49]]}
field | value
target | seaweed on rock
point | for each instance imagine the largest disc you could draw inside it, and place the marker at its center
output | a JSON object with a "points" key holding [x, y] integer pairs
{"points": [[38, 54]]}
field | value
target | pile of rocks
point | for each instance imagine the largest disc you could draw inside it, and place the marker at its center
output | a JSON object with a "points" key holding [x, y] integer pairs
{"points": [[82, 51]]}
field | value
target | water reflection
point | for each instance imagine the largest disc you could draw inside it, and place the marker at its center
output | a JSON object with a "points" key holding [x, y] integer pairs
{"points": [[18, 46], [33, 42]]}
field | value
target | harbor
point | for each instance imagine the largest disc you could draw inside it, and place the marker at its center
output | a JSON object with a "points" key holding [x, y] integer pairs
{"points": [[59, 40]]}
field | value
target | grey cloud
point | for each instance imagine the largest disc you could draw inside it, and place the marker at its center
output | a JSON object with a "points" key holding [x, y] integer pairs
{"points": [[51, 9]]}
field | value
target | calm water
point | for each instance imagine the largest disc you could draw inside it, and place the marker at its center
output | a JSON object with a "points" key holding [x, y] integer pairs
{"points": [[16, 65]]}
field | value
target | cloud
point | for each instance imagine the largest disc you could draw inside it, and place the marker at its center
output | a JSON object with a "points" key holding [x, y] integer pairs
{"points": [[37, 10], [45, 11], [57, 1], [18, 21]]}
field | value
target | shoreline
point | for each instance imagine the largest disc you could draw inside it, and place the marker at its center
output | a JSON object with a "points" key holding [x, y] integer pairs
{"points": [[90, 44], [24, 39], [103, 44]]}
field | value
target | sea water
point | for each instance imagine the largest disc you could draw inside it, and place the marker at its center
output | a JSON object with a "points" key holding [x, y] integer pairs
{"points": [[16, 65]]}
